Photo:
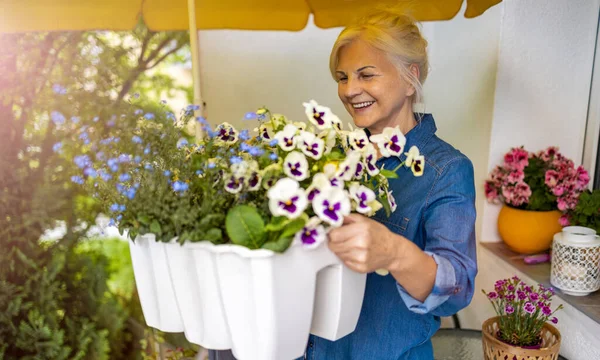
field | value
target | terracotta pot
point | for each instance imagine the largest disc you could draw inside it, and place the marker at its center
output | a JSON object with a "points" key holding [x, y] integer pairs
{"points": [[528, 232], [495, 349]]}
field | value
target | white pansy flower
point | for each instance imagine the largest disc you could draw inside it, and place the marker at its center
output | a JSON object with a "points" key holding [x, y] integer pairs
{"points": [[358, 140], [385, 191], [287, 198], [332, 206], [311, 145], [286, 138], [295, 166], [347, 168], [301, 125], [390, 142], [370, 158], [320, 116], [329, 137], [415, 161], [226, 133], [320, 183], [364, 198], [312, 235]]}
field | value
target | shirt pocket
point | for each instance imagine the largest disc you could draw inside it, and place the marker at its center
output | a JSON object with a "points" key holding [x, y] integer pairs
{"points": [[397, 223]]}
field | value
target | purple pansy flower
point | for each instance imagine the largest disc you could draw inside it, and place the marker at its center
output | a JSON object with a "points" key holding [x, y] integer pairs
{"points": [[287, 198], [295, 166], [311, 235], [311, 145], [332, 206], [286, 138], [390, 142], [363, 198]]}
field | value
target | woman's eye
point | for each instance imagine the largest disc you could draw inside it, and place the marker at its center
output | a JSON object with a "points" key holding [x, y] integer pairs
{"points": [[342, 79], [367, 76]]}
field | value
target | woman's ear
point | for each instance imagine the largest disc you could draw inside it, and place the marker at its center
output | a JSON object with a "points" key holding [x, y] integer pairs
{"points": [[414, 70]]}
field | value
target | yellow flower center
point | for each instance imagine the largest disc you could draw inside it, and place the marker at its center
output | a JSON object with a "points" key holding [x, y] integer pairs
{"points": [[288, 203]]}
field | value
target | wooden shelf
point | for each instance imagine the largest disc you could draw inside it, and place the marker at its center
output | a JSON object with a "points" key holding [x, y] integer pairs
{"points": [[589, 305]]}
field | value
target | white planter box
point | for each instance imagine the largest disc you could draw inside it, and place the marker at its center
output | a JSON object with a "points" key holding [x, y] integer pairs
{"points": [[153, 282], [260, 304]]}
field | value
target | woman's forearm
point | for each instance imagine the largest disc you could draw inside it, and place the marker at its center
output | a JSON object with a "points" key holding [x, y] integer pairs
{"points": [[412, 268]]}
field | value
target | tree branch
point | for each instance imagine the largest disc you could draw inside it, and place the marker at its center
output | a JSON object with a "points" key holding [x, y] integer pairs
{"points": [[165, 56]]}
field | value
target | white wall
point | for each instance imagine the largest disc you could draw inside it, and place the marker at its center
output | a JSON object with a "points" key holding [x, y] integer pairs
{"points": [[543, 82]]}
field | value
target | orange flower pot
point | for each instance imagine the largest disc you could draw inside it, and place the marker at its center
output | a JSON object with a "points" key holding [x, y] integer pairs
{"points": [[528, 232]]}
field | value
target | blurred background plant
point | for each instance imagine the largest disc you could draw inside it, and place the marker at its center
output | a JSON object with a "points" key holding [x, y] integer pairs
{"points": [[68, 296]]}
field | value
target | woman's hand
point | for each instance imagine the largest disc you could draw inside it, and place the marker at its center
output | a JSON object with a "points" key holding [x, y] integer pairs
{"points": [[365, 245]]}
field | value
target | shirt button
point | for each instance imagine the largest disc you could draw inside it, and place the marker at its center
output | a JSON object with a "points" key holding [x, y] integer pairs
{"points": [[456, 290], [310, 344]]}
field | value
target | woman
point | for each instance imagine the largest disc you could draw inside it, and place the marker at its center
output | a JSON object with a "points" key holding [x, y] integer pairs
{"points": [[428, 243]]}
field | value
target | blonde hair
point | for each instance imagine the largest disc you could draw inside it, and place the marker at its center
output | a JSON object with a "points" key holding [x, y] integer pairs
{"points": [[394, 33]]}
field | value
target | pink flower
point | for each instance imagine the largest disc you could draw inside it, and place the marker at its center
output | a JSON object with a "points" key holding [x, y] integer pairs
{"points": [[583, 178], [549, 153], [554, 320], [516, 176], [551, 178], [517, 159], [546, 311], [509, 309], [564, 220], [521, 295], [490, 191], [529, 308], [492, 295], [534, 297], [562, 204], [558, 190]]}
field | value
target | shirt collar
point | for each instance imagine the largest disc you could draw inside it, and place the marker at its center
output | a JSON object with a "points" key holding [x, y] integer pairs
{"points": [[420, 134]]}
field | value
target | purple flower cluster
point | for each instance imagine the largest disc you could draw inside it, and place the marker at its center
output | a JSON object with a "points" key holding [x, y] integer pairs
{"points": [[522, 309]]}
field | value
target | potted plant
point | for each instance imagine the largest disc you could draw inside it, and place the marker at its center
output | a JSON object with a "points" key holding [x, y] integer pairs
{"points": [[586, 213], [229, 228], [521, 329], [534, 189]]}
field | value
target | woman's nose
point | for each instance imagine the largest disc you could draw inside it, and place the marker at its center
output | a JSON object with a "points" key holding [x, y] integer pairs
{"points": [[352, 88]]}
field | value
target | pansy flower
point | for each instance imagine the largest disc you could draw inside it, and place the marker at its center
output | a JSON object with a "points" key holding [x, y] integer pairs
{"points": [[287, 198], [286, 138], [347, 168], [311, 145], [387, 194], [415, 161], [318, 115], [233, 184], [360, 169], [253, 175], [370, 158], [358, 140], [295, 166], [320, 183], [311, 235], [329, 138], [390, 142], [226, 133], [332, 206], [364, 198]]}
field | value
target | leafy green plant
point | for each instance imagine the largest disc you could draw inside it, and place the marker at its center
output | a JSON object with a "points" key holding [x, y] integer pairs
{"points": [[586, 213]]}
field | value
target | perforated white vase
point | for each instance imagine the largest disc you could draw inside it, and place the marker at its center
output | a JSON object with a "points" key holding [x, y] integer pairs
{"points": [[154, 286], [576, 261], [261, 304]]}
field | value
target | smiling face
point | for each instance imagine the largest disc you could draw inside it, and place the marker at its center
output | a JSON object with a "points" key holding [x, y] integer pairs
{"points": [[372, 89]]}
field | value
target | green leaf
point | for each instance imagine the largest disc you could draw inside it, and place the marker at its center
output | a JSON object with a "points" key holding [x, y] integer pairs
{"points": [[245, 227], [214, 235], [277, 223], [388, 174], [144, 219], [292, 228], [155, 228], [280, 245]]}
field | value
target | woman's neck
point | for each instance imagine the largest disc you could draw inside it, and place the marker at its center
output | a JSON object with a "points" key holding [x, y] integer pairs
{"points": [[405, 120]]}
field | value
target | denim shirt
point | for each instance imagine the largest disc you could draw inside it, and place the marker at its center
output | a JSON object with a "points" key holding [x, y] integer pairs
{"points": [[437, 212]]}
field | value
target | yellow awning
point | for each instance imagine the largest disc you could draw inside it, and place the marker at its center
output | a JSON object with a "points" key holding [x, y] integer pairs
{"points": [[159, 15]]}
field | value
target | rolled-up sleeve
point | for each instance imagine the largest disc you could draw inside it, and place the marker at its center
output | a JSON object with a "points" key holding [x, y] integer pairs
{"points": [[449, 229]]}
